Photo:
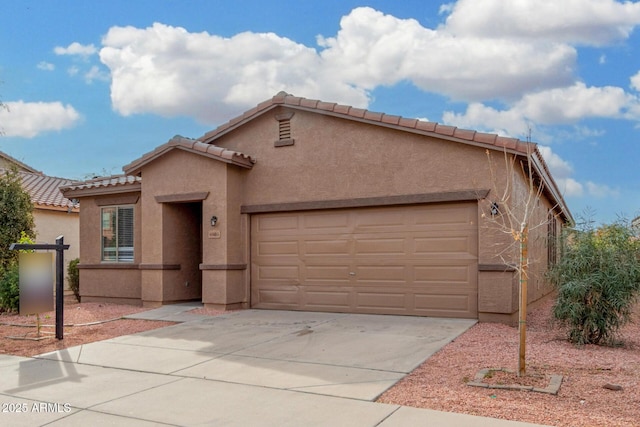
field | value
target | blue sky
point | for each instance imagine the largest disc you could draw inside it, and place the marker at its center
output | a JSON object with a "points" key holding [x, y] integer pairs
{"points": [[91, 86]]}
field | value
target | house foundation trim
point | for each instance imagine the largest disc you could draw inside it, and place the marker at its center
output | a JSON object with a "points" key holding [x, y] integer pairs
{"points": [[108, 266], [223, 266], [496, 267], [159, 267], [406, 199]]}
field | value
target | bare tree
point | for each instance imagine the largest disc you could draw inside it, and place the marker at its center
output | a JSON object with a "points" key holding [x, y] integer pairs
{"points": [[516, 212]]}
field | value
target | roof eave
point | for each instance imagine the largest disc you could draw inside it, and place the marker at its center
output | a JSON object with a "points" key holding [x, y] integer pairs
{"points": [[216, 153], [78, 193]]}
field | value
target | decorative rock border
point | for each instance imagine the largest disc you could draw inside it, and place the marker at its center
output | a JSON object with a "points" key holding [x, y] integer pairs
{"points": [[552, 388]]}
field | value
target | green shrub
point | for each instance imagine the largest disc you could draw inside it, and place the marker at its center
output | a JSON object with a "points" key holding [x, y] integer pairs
{"points": [[598, 281], [73, 274], [10, 289], [10, 280], [16, 220]]}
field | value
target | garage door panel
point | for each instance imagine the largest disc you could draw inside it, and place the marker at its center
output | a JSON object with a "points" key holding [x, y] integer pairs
{"points": [[331, 298], [327, 247], [381, 275], [279, 273], [280, 222], [380, 246], [381, 302], [278, 248], [328, 273], [452, 214], [333, 221], [442, 244], [416, 260], [283, 295]]}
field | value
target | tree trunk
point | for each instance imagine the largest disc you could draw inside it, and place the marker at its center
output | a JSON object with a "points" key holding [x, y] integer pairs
{"points": [[522, 323]]}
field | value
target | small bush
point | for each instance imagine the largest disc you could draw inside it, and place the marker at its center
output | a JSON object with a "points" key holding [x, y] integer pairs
{"points": [[73, 274], [598, 281], [10, 289]]}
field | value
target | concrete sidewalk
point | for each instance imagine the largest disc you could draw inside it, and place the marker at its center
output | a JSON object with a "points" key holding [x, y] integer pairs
{"points": [[252, 367]]}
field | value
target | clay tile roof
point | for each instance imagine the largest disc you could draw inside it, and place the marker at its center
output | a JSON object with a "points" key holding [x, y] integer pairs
{"points": [[328, 106], [445, 130], [194, 146], [464, 134], [426, 126], [357, 112], [341, 109], [283, 99], [310, 103], [102, 182], [485, 138], [45, 191], [408, 123], [503, 141]]}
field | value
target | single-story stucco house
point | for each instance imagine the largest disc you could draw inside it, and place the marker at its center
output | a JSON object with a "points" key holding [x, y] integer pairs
{"points": [[53, 214], [300, 204]]}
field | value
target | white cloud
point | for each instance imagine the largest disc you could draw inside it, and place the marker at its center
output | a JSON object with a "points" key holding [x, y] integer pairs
{"points": [[29, 119], [76, 49], [601, 190], [561, 171], [566, 105], [95, 73], [46, 66], [586, 22], [635, 81], [374, 49], [169, 71], [569, 187]]}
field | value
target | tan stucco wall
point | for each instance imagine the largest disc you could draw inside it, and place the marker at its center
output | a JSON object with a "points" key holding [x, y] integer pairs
{"points": [[164, 238], [340, 159], [53, 223], [99, 281], [332, 159]]}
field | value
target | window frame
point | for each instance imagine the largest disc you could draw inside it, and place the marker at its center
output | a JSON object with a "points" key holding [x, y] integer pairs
{"points": [[110, 218]]}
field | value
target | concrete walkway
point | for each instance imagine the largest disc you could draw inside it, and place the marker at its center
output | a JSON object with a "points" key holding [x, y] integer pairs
{"points": [[247, 368]]}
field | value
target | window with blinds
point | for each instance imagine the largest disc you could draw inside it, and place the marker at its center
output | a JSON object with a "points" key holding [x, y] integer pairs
{"points": [[117, 234]]}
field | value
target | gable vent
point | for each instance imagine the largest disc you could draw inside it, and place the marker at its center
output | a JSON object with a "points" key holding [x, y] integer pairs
{"points": [[284, 130]]}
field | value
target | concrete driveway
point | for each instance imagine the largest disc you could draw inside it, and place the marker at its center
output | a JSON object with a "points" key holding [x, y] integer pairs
{"points": [[249, 367]]}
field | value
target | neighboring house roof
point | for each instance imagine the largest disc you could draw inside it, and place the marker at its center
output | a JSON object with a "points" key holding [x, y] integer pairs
{"points": [[193, 146], [45, 191], [18, 163], [103, 185]]}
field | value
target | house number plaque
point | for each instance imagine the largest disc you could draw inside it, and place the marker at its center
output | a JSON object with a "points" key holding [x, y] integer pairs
{"points": [[214, 234]]}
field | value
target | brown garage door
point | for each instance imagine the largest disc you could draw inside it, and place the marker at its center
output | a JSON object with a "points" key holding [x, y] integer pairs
{"points": [[415, 260]]}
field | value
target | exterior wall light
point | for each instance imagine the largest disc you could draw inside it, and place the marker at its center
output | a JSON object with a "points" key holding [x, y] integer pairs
{"points": [[494, 209], [214, 220]]}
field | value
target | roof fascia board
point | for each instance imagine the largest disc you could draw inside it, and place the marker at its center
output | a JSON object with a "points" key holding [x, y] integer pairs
{"points": [[43, 207], [102, 191], [356, 119], [135, 168]]}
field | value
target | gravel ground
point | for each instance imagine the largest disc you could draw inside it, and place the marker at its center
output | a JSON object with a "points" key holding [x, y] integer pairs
{"points": [[440, 382], [87, 327]]}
